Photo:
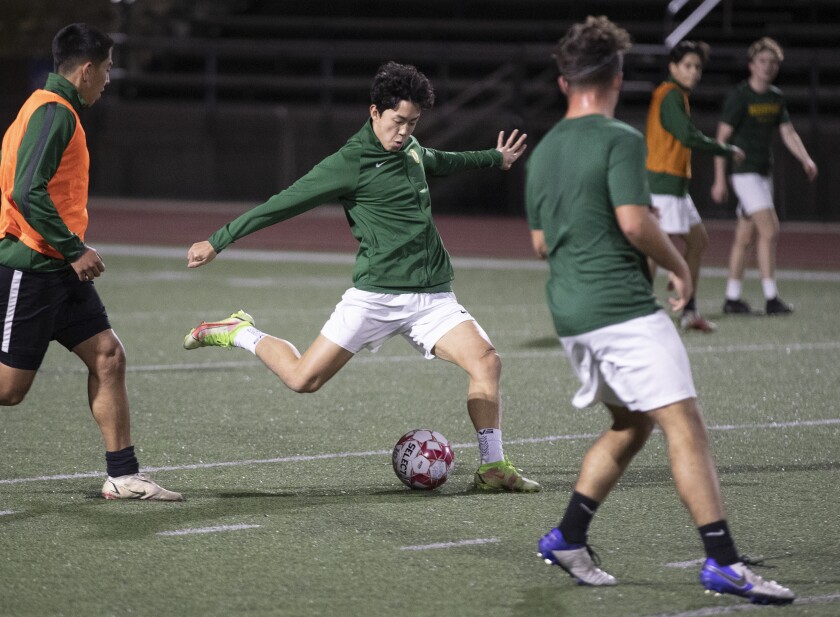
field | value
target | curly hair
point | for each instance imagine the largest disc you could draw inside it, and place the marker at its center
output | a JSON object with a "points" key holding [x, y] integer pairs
{"points": [[592, 52], [396, 82], [78, 43], [683, 48]]}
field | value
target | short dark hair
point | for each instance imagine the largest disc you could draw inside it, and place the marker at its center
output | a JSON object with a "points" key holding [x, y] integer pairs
{"points": [[79, 43], [396, 82], [683, 48], [592, 52]]}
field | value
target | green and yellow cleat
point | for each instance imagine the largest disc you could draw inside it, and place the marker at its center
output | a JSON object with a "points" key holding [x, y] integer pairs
{"points": [[217, 333], [503, 476]]}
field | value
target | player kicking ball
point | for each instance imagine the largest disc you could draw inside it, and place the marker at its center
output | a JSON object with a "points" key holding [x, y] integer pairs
{"points": [[402, 276]]}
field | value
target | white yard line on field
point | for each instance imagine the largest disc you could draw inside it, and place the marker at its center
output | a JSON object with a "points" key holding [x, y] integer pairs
{"points": [[478, 263], [298, 458], [426, 547], [215, 529]]}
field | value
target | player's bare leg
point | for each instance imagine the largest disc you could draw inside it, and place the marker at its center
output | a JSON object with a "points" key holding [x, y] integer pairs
{"points": [[767, 227], [14, 384], [302, 373], [741, 245], [605, 462], [467, 346], [696, 242], [694, 470], [608, 458], [104, 356]]}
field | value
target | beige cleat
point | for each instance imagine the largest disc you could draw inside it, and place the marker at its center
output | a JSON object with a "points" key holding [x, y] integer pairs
{"points": [[137, 486]]}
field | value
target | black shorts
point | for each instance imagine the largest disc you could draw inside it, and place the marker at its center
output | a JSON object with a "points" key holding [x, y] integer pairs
{"points": [[39, 307]]}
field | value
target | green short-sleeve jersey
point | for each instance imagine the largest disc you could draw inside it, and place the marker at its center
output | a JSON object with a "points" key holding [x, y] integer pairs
{"points": [[580, 172], [754, 118]]}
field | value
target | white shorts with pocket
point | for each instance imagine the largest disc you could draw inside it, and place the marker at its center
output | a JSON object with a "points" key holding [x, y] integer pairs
{"points": [[365, 319], [677, 215], [640, 364], [754, 191]]}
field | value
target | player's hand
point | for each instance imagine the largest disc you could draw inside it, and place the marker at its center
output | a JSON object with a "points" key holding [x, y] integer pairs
{"points": [[738, 155], [200, 253], [89, 265], [720, 191], [511, 149], [538, 243], [681, 288], [810, 168]]}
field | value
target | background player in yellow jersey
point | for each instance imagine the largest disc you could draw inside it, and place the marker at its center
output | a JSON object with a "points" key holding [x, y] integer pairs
{"points": [[671, 137]]}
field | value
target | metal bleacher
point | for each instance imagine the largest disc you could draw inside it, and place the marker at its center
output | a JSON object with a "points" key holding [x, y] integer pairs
{"points": [[308, 68]]}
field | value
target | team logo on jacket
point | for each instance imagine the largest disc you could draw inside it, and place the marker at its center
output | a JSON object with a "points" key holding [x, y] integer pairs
{"points": [[414, 155]]}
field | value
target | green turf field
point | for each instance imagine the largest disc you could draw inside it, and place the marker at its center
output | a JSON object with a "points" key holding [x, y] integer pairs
{"points": [[302, 513]]}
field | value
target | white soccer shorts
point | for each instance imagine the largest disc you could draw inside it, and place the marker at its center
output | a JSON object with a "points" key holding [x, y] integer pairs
{"points": [[677, 215], [640, 364], [754, 191], [365, 320]]}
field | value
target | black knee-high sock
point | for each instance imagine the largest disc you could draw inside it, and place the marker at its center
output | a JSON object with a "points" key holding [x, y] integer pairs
{"points": [[578, 517], [718, 543], [122, 462]]}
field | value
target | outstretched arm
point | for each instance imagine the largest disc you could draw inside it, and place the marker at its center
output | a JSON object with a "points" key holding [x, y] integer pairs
{"points": [[794, 143]]}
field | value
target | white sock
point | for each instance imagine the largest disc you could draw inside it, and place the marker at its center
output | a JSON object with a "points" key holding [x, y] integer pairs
{"points": [[769, 287], [490, 445], [247, 338], [733, 289]]}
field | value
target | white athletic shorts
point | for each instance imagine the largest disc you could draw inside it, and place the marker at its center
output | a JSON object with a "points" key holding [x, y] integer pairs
{"points": [[365, 320], [754, 191], [639, 364], [677, 215]]}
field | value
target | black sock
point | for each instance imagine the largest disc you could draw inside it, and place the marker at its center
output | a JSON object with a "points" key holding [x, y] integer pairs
{"points": [[122, 462], [718, 543], [690, 306], [578, 516]]}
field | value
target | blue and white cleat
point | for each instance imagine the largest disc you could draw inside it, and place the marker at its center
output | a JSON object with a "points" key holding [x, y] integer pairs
{"points": [[737, 579], [577, 559]]}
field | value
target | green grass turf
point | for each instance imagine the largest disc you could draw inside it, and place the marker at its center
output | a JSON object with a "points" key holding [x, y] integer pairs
{"points": [[330, 532]]}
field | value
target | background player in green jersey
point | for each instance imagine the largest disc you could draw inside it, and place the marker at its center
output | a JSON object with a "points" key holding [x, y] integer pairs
{"points": [[751, 114], [402, 277], [588, 207]]}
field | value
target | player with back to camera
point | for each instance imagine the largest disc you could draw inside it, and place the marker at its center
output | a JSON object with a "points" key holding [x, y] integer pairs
{"points": [[402, 275], [671, 138], [46, 269], [588, 207], [751, 113]]}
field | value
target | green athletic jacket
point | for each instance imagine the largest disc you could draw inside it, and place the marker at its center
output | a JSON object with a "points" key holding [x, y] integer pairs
{"points": [[386, 200]]}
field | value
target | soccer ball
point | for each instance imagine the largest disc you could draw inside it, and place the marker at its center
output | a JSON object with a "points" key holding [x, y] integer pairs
{"points": [[423, 458]]}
